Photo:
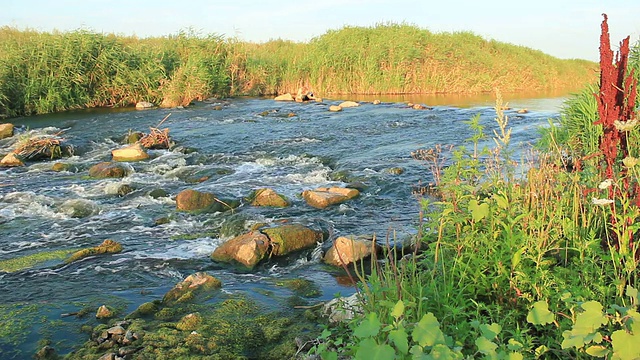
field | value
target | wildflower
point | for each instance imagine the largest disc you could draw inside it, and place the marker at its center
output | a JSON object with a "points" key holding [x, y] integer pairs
{"points": [[605, 184], [630, 161], [625, 125], [601, 202]]}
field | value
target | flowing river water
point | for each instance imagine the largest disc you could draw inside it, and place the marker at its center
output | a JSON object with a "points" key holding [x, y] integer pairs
{"points": [[250, 143]]}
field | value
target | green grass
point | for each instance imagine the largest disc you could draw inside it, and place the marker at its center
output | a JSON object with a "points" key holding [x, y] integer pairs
{"points": [[49, 72]]}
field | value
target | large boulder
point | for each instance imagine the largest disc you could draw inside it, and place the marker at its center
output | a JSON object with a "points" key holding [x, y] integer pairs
{"points": [[11, 160], [6, 130], [185, 290], [348, 104], [284, 97], [268, 197], [289, 238], [323, 197], [108, 170], [107, 247], [133, 152], [247, 249], [194, 200], [346, 250]]}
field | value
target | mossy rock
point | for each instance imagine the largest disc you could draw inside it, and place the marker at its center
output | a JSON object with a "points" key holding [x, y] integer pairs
{"points": [[132, 137], [107, 247], [301, 287], [289, 238], [59, 166], [247, 249], [146, 309], [198, 201], [233, 225], [395, 171], [79, 208], [267, 197], [189, 322], [185, 290], [158, 193], [29, 261], [108, 170]]}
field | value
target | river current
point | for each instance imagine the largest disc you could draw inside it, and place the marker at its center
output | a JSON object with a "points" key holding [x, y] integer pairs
{"points": [[250, 143]]}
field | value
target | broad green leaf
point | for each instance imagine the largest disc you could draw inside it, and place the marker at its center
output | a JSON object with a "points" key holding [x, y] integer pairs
{"points": [[597, 351], [540, 314], [398, 310], [478, 211], [486, 346], [442, 352], [400, 339], [589, 321], [571, 340], [566, 296], [369, 327], [625, 345], [328, 355], [417, 353], [369, 350], [632, 293], [501, 200], [427, 332], [515, 259], [514, 345], [513, 356], [490, 331], [540, 350]]}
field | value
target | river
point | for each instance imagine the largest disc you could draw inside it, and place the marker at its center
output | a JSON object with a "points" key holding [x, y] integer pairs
{"points": [[249, 144]]}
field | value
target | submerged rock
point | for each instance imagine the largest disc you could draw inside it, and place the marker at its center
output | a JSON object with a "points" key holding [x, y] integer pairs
{"points": [[268, 197], [247, 249], [133, 152], [376, 102], [335, 108], [11, 160], [108, 170], [107, 247], [323, 197], [59, 166], [79, 208], [289, 238], [6, 130], [185, 290], [346, 250]]}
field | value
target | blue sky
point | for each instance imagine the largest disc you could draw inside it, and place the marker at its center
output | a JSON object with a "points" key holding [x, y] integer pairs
{"points": [[563, 28]]}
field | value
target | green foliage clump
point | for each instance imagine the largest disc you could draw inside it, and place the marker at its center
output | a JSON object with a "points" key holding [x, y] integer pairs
{"points": [[29, 261]]}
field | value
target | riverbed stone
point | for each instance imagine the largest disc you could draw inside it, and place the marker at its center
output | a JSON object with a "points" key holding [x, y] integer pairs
{"points": [[79, 208], [321, 198], [376, 102], [268, 197], [107, 247], [247, 249], [133, 137], [104, 312], [189, 322], [185, 290], [144, 105], [6, 130], [284, 97], [348, 249], [133, 152], [11, 160], [348, 104], [108, 169], [335, 108], [194, 200], [286, 239]]}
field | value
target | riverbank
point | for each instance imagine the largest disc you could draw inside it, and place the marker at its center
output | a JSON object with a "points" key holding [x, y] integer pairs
{"points": [[49, 72]]}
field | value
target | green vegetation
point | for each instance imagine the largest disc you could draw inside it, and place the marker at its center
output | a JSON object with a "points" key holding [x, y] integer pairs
{"points": [[513, 263], [29, 261], [49, 72]]}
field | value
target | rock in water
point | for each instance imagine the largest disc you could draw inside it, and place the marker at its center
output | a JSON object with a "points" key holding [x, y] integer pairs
{"points": [[107, 247], [144, 105], [108, 170], [79, 208], [247, 249], [11, 160], [104, 312], [323, 197], [346, 250], [268, 197], [133, 152], [284, 97], [347, 104], [289, 238], [184, 291], [193, 200], [335, 108], [6, 130]]}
